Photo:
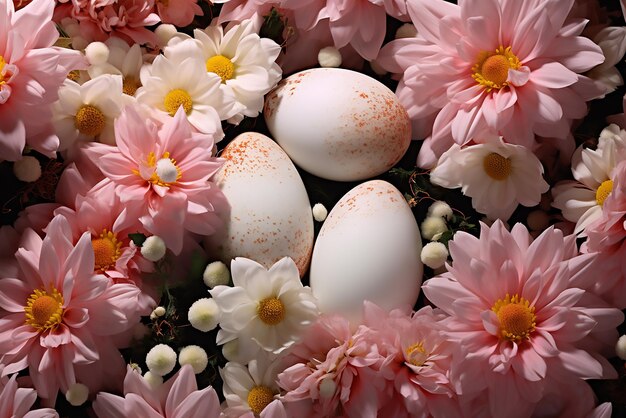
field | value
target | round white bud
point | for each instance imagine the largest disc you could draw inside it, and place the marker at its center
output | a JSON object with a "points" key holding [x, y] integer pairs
{"points": [[27, 169], [161, 359], [620, 347], [97, 53], [328, 387], [159, 311], [329, 57], [319, 212], [164, 33], [204, 314], [434, 254], [538, 220], [77, 394], [166, 170], [433, 226], [153, 248], [215, 274], [195, 356], [407, 30], [153, 379], [440, 209]]}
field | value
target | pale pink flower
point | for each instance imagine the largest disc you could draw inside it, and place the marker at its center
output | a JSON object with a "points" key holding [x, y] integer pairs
{"points": [[178, 12], [162, 173], [501, 66], [179, 397], [520, 311], [16, 402], [58, 318], [31, 71]]}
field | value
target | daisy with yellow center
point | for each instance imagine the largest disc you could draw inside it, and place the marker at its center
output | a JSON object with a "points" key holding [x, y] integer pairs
{"points": [[44, 309], [492, 68], [517, 318], [107, 250], [163, 172]]}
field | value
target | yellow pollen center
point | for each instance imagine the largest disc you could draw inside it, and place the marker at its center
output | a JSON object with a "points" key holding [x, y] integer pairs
{"points": [[2, 64], [175, 99], [44, 310], [89, 120], [516, 316], [271, 311], [221, 66], [416, 354], [604, 190], [492, 68], [130, 86], [496, 166], [259, 397], [106, 249], [74, 75]]}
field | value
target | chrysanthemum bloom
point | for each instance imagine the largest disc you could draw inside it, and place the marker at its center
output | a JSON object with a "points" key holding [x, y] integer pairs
{"points": [[179, 13], [59, 319], [581, 201], [169, 84], [520, 311], [269, 306], [244, 62], [123, 60], [496, 175], [612, 40], [162, 173], [179, 397], [497, 65], [31, 71], [17, 402]]}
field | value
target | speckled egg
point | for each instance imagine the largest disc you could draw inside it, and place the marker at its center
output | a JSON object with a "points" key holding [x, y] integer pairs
{"points": [[270, 214], [367, 249], [338, 124]]}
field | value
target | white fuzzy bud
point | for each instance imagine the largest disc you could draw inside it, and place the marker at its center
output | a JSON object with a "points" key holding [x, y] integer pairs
{"points": [[97, 53], [153, 248], [195, 356], [538, 220], [161, 359], [77, 394], [216, 274], [329, 57], [27, 169], [204, 314], [159, 311], [328, 387], [440, 209], [433, 226], [407, 30], [153, 379], [164, 33], [434, 254], [620, 347], [319, 212], [166, 170]]}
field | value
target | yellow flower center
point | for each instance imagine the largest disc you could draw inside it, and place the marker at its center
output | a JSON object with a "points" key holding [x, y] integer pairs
{"points": [[89, 120], [2, 64], [259, 397], [44, 310], [496, 166], [175, 99], [221, 66], [271, 311], [416, 354], [517, 318], [130, 86], [492, 68], [604, 190], [106, 249]]}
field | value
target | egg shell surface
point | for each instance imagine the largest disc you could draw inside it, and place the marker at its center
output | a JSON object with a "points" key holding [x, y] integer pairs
{"points": [[338, 124], [270, 214], [367, 249]]}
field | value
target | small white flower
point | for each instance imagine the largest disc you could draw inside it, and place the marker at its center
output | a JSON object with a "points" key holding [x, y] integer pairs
{"points": [[123, 60], [319, 212], [153, 248], [329, 57], [215, 274], [620, 347], [195, 356], [612, 41], [433, 227], [153, 379], [27, 169], [440, 209], [161, 359], [77, 394], [204, 314], [496, 175], [434, 254]]}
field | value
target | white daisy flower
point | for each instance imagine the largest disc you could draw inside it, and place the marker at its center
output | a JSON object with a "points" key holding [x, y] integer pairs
{"points": [[86, 112], [168, 84], [269, 306], [244, 61], [581, 200], [123, 60], [496, 175]]}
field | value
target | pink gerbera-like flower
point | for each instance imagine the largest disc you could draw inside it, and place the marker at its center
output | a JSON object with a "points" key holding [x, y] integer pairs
{"points": [[58, 318], [31, 71], [500, 66], [519, 310], [179, 397], [16, 402], [162, 174]]}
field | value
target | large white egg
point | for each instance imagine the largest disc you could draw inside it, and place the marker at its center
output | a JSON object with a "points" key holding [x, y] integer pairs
{"points": [[367, 249], [338, 124], [270, 214]]}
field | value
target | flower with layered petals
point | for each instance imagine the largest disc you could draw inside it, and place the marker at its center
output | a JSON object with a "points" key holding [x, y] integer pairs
{"points": [[179, 13], [520, 310], [179, 397], [59, 318], [31, 71], [122, 60], [492, 66], [16, 402]]}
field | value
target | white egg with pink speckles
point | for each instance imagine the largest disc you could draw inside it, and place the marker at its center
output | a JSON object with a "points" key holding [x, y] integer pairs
{"points": [[338, 124], [368, 249], [270, 214]]}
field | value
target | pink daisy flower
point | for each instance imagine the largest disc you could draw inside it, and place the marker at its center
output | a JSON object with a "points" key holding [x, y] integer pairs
{"points": [[179, 397], [178, 13], [500, 66], [16, 402], [162, 174], [519, 310], [31, 71], [58, 318]]}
